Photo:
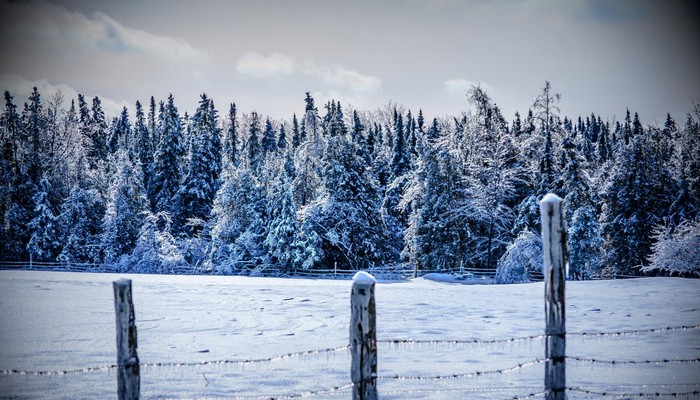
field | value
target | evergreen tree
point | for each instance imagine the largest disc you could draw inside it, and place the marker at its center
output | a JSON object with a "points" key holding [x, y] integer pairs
{"points": [[35, 125], [168, 158], [143, 146], [296, 137], [255, 151], [126, 203], [17, 187], [282, 240], [636, 196], [282, 140], [94, 130], [231, 141], [201, 182], [269, 142], [238, 231], [584, 243], [347, 219], [44, 244], [80, 221]]}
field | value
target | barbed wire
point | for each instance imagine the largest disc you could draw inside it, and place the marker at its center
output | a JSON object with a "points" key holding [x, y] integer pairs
{"points": [[632, 362], [457, 341], [531, 395], [463, 375], [398, 341], [180, 364], [626, 395], [394, 342], [636, 331]]}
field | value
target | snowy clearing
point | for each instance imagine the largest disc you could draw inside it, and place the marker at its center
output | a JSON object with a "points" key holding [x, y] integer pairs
{"points": [[54, 321]]}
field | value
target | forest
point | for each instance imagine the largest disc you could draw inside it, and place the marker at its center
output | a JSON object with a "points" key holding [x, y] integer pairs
{"points": [[234, 193]]}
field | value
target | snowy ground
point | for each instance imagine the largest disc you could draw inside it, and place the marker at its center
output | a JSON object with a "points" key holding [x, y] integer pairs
{"points": [[52, 321]]}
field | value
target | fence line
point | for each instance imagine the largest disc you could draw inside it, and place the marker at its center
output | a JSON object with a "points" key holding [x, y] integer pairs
{"points": [[626, 395], [390, 342]]}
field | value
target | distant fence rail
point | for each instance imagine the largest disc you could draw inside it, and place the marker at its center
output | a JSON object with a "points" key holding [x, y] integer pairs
{"points": [[402, 271]]}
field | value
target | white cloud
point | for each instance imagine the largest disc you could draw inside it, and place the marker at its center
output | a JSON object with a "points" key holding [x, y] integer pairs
{"points": [[460, 86], [281, 65], [97, 32], [260, 66], [20, 88]]}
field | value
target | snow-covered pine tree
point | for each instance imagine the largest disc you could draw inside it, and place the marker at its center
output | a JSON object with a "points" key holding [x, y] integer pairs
{"points": [[638, 195], [142, 146], [169, 155], [80, 221], [126, 203], [44, 243], [201, 182], [347, 217], [282, 239], [231, 140], [584, 243], [17, 187], [269, 139], [238, 228]]}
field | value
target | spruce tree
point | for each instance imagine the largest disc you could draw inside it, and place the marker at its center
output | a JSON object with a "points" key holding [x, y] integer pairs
{"points": [[231, 140], [44, 243], [201, 182], [168, 159]]}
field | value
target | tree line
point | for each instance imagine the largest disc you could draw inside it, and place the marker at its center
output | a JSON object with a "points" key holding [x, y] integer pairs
{"points": [[242, 193]]}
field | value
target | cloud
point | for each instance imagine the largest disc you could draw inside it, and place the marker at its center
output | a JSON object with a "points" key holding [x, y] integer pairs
{"points": [[334, 76], [260, 66], [20, 88], [460, 86], [97, 32]]}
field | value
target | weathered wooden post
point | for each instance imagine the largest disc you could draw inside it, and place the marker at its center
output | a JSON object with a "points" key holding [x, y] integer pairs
{"points": [[554, 252], [128, 378], [363, 337]]}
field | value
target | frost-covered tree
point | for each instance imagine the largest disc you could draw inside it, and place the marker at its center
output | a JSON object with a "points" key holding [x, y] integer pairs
{"points": [[238, 228], [282, 240], [156, 250], [142, 146], [522, 259], [584, 243], [255, 152], [17, 205], [169, 155], [44, 243], [126, 203], [637, 195], [436, 238], [269, 139], [80, 220], [676, 250], [231, 140], [201, 182], [347, 217]]}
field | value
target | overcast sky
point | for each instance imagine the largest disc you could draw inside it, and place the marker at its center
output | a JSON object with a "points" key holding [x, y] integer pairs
{"points": [[602, 56]]}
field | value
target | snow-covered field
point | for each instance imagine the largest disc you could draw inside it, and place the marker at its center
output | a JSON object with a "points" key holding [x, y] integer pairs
{"points": [[51, 321]]}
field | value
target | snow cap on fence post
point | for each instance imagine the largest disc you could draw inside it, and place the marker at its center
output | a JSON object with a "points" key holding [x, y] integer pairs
{"points": [[554, 253], [363, 337]]}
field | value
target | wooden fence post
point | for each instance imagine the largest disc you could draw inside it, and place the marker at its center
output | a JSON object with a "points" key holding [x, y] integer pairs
{"points": [[554, 253], [363, 337], [128, 379]]}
